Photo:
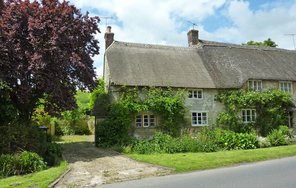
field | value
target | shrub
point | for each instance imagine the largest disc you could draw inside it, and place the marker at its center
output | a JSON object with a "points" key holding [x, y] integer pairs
{"points": [[30, 162], [53, 154], [164, 143], [17, 137], [82, 130], [278, 137], [158, 144], [7, 164], [230, 140], [20, 163], [207, 140]]}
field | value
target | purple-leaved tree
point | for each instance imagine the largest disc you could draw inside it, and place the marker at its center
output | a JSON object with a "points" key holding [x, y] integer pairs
{"points": [[46, 50]]}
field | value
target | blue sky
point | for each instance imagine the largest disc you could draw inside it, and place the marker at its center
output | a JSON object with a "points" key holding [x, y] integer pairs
{"points": [[167, 21]]}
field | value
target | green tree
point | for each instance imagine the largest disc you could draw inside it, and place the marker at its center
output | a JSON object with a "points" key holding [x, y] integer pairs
{"points": [[267, 42]]}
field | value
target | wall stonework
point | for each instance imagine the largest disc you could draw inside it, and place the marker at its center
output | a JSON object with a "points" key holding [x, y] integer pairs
{"points": [[207, 104]]}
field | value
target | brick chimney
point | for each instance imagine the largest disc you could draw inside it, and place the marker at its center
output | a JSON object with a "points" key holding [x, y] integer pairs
{"points": [[109, 37], [192, 37]]}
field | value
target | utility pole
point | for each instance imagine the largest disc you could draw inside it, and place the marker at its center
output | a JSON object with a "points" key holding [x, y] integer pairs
{"points": [[293, 37]]}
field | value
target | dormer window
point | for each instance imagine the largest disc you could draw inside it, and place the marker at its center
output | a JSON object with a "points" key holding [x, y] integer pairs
{"points": [[255, 85], [286, 86], [195, 94]]}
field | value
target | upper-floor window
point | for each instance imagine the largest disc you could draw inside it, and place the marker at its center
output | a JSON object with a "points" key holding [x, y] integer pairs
{"points": [[199, 118], [145, 120], [248, 115], [195, 94], [255, 85], [286, 87]]}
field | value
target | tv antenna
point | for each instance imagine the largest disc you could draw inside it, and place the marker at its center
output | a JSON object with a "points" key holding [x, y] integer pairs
{"points": [[293, 37], [192, 23], [106, 19]]}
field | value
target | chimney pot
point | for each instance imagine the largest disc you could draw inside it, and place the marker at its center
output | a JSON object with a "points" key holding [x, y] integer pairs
{"points": [[192, 37], [108, 29]]}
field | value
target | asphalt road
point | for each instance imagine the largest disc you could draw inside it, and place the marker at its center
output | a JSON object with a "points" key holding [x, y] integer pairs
{"points": [[279, 173]]}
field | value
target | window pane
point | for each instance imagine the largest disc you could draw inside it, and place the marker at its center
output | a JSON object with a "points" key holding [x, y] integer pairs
{"points": [[195, 94], [200, 94], [138, 121], [194, 118], [152, 120], [146, 121]]}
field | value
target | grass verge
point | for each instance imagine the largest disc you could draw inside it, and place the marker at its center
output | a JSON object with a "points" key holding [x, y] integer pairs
{"points": [[39, 179], [184, 162]]}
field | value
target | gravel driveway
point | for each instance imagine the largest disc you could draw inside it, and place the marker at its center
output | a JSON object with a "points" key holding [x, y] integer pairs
{"points": [[91, 166]]}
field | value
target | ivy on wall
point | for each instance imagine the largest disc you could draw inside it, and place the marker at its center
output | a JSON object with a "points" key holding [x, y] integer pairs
{"points": [[164, 102], [271, 109]]}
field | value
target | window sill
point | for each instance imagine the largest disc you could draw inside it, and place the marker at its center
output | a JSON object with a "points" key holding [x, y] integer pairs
{"points": [[145, 127], [199, 125]]}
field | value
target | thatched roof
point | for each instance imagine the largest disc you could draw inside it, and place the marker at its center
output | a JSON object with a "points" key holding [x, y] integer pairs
{"points": [[207, 65]]}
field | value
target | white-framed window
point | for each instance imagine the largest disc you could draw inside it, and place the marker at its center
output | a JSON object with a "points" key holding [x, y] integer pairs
{"points": [[255, 85], [199, 118], [195, 94], [286, 86], [145, 120], [248, 115]]}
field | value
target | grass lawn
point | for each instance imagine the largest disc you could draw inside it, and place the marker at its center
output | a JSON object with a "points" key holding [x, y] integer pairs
{"points": [[38, 179], [184, 162], [75, 138]]}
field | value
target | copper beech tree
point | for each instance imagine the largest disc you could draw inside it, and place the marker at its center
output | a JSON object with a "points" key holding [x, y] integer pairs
{"points": [[46, 50]]}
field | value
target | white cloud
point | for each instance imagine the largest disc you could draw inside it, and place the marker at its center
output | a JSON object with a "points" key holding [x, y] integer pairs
{"points": [[259, 25], [166, 21]]}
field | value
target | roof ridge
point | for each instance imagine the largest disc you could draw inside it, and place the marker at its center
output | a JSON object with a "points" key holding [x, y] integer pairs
{"points": [[251, 47], [155, 46]]}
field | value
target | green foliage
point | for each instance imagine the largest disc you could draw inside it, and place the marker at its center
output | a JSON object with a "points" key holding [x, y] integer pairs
{"points": [[69, 122], [267, 42], [53, 154], [16, 138], [83, 100], [115, 128], [20, 163], [271, 109], [207, 140], [99, 90], [169, 105], [229, 140], [166, 103], [278, 137]]}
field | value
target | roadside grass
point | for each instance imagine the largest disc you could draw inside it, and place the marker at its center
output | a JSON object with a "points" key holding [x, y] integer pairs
{"points": [[74, 138], [185, 162], [38, 179]]}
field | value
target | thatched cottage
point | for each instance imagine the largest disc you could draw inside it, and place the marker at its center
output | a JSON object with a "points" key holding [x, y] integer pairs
{"points": [[202, 68]]}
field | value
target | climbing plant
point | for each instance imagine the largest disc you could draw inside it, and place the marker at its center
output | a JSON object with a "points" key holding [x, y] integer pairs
{"points": [[165, 102], [271, 109]]}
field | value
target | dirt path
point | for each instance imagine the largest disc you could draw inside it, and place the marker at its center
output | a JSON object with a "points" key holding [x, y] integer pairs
{"points": [[91, 166]]}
